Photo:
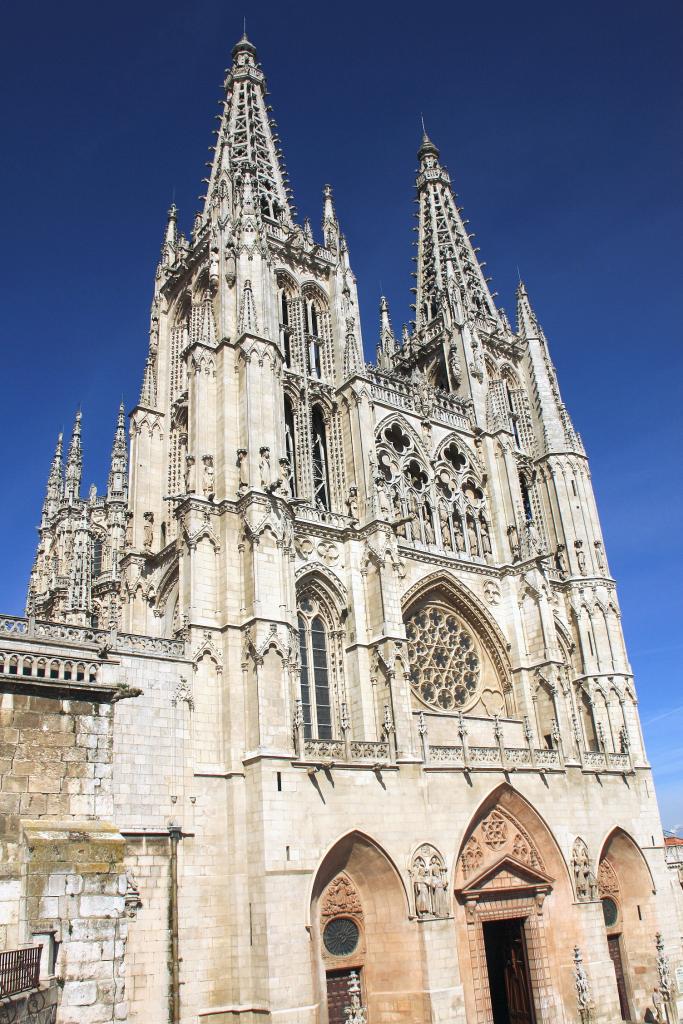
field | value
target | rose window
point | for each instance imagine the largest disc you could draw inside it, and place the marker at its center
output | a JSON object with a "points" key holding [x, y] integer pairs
{"points": [[445, 670]]}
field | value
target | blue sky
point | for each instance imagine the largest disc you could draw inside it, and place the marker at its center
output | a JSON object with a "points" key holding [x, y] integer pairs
{"points": [[560, 125]]}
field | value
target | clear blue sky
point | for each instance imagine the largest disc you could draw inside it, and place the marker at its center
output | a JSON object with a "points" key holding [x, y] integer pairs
{"points": [[561, 126]]}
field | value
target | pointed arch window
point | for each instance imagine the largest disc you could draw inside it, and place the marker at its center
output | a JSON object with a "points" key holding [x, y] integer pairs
{"points": [[97, 557], [321, 487], [290, 449], [285, 331], [526, 500], [314, 339], [316, 704]]}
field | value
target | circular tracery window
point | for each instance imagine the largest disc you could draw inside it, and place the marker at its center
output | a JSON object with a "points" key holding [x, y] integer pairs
{"points": [[444, 665], [341, 936], [610, 911]]}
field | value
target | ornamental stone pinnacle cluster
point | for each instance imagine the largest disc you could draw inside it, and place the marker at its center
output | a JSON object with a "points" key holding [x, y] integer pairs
{"points": [[323, 712]]}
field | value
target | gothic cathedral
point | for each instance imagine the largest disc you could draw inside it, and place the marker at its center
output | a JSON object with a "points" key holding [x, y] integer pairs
{"points": [[323, 713]]}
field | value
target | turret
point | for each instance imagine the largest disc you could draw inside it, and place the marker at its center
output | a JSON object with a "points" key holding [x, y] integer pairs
{"points": [[55, 484], [170, 246], [330, 222], [74, 464], [117, 488], [386, 349], [558, 431]]}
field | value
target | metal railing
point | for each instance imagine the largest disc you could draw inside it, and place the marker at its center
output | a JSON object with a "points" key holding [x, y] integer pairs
{"points": [[19, 970]]}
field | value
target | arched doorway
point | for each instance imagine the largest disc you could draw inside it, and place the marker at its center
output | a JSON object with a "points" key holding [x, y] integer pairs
{"points": [[625, 888], [363, 938], [510, 883]]}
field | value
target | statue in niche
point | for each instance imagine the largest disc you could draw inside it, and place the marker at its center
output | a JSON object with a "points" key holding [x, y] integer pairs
{"points": [[208, 478], [352, 502], [264, 467], [148, 531], [213, 269], [561, 561], [230, 263], [430, 883], [585, 882], [472, 536], [428, 525], [599, 556], [485, 536], [423, 905], [128, 537], [242, 470], [283, 482], [459, 535], [445, 528], [580, 556], [382, 498], [513, 540], [439, 887], [189, 474]]}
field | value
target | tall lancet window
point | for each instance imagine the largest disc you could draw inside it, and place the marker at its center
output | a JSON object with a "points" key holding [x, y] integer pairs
{"points": [[526, 500], [314, 340], [315, 678], [321, 487], [285, 332], [290, 450]]}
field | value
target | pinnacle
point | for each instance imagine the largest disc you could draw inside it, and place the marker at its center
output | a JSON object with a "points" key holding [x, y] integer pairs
{"points": [[427, 146], [243, 44]]}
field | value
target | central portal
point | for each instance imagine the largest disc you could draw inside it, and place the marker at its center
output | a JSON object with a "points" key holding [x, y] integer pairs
{"points": [[508, 969]]}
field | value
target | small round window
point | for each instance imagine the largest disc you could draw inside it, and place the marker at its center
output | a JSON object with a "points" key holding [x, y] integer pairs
{"points": [[610, 911], [341, 936]]}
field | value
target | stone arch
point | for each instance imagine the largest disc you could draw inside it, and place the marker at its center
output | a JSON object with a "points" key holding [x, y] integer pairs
{"points": [[510, 868], [390, 948], [397, 418], [626, 888], [443, 584]]}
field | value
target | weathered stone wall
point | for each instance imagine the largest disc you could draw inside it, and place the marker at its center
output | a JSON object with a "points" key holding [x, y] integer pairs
{"points": [[55, 762]]}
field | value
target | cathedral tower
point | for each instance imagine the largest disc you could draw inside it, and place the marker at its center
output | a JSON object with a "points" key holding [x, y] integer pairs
{"points": [[380, 757]]}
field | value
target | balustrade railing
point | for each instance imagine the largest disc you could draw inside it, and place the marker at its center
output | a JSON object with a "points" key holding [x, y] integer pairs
{"points": [[18, 627], [19, 970]]}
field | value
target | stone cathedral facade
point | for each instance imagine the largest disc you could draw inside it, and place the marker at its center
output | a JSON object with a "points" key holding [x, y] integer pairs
{"points": [[323, 713]]}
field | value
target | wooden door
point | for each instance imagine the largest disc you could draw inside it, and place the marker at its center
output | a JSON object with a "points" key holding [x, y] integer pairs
{"points": [[615, 955], [508, 972], [517, 979], [338, 995]]}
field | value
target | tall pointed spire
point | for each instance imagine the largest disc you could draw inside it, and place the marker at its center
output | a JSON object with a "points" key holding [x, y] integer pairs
{"points": [[170, 246], [330, 222], [387, 341], [449, 275], [527, 324], [74, 463], [55, 482], [118, 471], [247, 137]]}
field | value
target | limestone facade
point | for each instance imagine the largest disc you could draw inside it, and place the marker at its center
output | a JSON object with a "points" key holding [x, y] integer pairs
{"points": [[327, 703]]}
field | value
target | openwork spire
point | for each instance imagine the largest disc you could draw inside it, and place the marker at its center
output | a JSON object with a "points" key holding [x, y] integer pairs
{"points": [[118, 470], [387, 342], [247, 137], [448, 272], [55, 482], [74, 463]]}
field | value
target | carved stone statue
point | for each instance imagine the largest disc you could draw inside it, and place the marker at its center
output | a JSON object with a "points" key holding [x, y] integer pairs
{"points": [[208, 477], [242, 470], [382, 498], [428, 525], [438, 885], [561, 561], [264, 467], [445, 528], [513, 540], [129, 530], [472, 537], [585, 881], [459, 535], [148, 531], [485, 536], [599, 556], [423, 905], [352, 502], [283, 484], [580, 556], [190, 474]]}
